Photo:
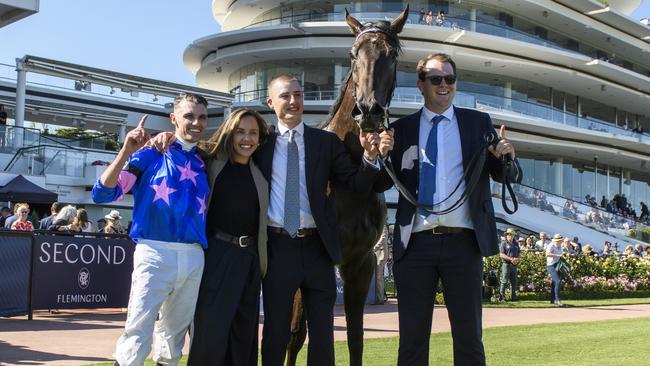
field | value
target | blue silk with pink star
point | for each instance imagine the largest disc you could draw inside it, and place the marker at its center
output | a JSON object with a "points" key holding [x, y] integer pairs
{"points": [[169, 194]]}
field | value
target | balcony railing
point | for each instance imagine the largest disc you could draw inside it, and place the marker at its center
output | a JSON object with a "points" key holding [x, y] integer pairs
{"points": [[8, 73], [40, 160], [495, 28], [580, 213], [13, 138], [477, 101]]}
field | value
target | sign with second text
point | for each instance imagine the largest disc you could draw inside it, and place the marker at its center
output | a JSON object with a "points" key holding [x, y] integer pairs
{"points": [[81, 272]]}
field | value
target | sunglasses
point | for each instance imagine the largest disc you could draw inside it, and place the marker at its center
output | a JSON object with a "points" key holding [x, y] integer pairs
{"points": [[437, 79], [24, 212]]}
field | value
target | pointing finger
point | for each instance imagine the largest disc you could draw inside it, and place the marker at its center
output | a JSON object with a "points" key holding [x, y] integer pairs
{"points": [[142, 121], [502, 132]]}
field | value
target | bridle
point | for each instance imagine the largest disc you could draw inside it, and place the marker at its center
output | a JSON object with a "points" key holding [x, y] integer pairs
{"points": [[385, 119]]}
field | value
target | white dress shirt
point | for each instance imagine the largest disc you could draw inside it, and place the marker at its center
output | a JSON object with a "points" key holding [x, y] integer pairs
{"points": [[449, 170], [279, 177]]}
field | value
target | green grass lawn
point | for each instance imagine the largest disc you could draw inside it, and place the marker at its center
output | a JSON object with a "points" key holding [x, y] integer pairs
{"points": [[569, 303], [611, 343]]}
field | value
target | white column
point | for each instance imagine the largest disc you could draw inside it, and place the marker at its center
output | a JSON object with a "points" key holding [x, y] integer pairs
{"points": [[596, 177], [579, 111], [122, 135], [21, 91], [558, 176], [609, 189], [564, 108], [472, 19]]}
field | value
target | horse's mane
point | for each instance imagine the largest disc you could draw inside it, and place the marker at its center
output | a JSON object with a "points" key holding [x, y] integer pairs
{"points": [[393, 45]]}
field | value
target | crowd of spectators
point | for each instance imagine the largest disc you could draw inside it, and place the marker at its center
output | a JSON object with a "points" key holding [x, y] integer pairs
{"points": [[616, 213], [62, 218], [573, 246], [429, 18], [619, 205]]}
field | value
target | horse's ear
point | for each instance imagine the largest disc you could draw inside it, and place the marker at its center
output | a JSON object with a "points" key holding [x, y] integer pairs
{"points": [[397, 24], [355, 26]]}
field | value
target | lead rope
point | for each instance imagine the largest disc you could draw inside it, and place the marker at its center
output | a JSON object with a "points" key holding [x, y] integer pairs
{"points": [[476, 164]]}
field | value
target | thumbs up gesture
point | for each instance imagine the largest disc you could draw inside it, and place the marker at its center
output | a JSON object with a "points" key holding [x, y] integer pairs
{"points": [[504, 147]]}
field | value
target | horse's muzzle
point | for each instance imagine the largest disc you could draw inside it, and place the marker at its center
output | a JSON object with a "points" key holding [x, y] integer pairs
{"points": [[371, 121]]}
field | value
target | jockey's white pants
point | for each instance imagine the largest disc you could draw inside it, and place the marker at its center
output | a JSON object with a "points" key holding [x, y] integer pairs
{"points": [[165, 280]]}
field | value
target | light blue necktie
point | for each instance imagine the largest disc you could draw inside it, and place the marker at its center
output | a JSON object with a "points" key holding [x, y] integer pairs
{"points": [[292, 188], [427, 185]]}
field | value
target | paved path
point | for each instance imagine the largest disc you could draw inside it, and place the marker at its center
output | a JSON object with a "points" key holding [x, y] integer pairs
{"points": [[82, 337]]}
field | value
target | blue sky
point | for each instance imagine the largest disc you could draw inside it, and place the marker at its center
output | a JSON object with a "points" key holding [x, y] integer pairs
{"points": [[139, 37]]}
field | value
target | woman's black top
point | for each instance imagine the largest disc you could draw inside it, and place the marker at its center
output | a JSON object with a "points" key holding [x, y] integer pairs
{"points": [[234, 207], [57, 224]]}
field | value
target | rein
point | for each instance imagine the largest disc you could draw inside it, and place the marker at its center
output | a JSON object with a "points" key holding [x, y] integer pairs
{"points": [[476, 164]]}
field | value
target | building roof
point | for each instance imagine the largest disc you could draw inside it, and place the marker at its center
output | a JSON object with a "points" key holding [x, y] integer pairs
{"points": [[13, 11]]}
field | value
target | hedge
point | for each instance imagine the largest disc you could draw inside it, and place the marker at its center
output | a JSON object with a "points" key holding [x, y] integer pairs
{"points": [[588, 274]]}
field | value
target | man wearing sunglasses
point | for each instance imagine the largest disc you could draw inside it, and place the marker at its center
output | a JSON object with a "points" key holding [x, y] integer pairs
{"points": [[431, 150]]}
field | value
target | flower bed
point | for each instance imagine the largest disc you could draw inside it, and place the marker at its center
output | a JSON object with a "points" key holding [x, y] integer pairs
{"points": [[601, 275]]}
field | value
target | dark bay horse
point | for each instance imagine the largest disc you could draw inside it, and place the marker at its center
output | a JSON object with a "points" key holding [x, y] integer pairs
{"points": [[362, 104]]}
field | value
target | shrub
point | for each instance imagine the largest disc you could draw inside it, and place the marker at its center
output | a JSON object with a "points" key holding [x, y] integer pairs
{"points": [[588, 274]]}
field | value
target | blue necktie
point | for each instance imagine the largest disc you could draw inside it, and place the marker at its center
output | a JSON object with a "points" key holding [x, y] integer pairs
{"points": [[427, 185], [292, 188]]}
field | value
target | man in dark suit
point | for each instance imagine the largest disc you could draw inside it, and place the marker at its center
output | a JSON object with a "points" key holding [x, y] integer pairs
{"points": [[47, 221], [303, 246], [432, 149]]}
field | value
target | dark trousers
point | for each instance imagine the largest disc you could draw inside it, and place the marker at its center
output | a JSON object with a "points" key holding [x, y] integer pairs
{"points": [[455, 259], [227, 312], [298, 263], [508, 274]]}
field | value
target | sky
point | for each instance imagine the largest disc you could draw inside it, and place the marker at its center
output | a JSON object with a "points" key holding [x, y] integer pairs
{"points": [[139, 37]]}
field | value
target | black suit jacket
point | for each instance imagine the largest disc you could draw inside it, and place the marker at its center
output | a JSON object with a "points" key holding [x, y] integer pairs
{"points": [[472, 126], [45, 223], [325, 159]]}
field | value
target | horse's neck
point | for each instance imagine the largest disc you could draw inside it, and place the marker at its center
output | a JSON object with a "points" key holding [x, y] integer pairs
{"points": [[341, 122]]}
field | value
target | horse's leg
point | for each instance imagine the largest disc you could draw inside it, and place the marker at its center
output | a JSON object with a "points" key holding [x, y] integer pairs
{"points": [[356, 277], [298, 329]]}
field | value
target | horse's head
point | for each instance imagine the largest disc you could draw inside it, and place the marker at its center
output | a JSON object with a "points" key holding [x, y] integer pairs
{"points": [[374, 66]]}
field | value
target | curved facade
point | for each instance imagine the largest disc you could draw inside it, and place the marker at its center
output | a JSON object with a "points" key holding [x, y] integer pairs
{"points": [[570, 79]]}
